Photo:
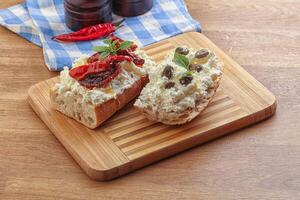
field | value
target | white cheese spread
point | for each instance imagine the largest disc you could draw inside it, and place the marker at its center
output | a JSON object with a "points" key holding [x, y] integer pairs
{"points": [[155, 97], [68, 87]]}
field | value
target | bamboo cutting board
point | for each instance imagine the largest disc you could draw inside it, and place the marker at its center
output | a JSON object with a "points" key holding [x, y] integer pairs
{"points": [[128, 141]]}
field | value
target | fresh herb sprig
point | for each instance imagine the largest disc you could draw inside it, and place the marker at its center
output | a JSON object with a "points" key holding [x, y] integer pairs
{"points": [[112, 48], [181, 60]]}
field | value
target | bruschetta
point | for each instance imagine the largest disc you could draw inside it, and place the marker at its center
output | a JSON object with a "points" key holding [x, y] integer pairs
{"points": [[181, 87], [98, 86]]}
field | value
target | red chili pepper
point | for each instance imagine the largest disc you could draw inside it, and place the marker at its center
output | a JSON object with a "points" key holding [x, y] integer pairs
{"points": [[89, 33], [80, 72]]}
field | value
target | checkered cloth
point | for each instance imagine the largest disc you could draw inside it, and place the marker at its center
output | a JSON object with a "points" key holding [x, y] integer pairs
{"points": [[39, 20]]}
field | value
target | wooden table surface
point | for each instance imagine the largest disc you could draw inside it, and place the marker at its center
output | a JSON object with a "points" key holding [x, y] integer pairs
{"points": [[259, 162]]}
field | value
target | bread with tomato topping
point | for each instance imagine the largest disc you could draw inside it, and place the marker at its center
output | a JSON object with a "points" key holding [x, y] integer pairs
{"points": [[92, 106]]}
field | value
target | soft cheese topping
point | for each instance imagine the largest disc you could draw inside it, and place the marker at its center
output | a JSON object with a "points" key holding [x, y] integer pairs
{"points": [[129, 75], [179, 84]]}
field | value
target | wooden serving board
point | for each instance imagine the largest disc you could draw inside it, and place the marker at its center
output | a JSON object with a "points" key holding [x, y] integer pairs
{"points": [[128, 141]]}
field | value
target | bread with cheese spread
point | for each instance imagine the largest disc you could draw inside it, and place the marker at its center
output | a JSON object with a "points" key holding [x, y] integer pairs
{"points": [[181, 87], [92, 107]]}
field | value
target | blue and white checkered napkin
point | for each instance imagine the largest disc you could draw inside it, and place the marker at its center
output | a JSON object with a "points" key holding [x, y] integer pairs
{"points": [[39, 20]]}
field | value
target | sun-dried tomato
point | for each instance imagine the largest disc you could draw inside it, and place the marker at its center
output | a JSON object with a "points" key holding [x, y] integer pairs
{"points": [[119, 41], [136, 59], [94, 58], [101, 79], [99, 73]]}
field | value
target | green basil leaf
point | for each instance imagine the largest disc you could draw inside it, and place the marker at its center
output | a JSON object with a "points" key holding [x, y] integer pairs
{"points": [[100, 49], [104, 54], [114, 53], [181, 60], [125, 45]]}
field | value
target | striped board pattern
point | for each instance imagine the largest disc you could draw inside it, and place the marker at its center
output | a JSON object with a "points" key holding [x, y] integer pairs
{"points": [[128, 141]]}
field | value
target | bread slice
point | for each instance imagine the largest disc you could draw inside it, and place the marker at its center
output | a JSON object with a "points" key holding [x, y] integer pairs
{"points": [[172, 115], [183, 117], [93, 115], [92, 107]]}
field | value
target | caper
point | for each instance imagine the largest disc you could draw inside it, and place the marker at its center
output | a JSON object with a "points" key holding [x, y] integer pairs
{"points": [[182, 50], [195, 67], [201, 53], [169, 85], [185, 80], [168, 72]]}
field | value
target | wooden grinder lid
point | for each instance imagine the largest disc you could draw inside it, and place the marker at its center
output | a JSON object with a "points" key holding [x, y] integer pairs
{"points": [[83, 13], [130, 8]]}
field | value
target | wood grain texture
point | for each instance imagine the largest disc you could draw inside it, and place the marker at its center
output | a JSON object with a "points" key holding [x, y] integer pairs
{"points": [[129, 141], [259, 162]]}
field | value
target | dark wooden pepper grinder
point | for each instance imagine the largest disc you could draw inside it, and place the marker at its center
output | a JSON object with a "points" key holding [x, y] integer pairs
{"points": [[130, 8], [83, 13]]}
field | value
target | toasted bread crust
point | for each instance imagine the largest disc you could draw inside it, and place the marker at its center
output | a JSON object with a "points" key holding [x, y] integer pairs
{"points": [[102, 112], [107, 109], [188, 115]]}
